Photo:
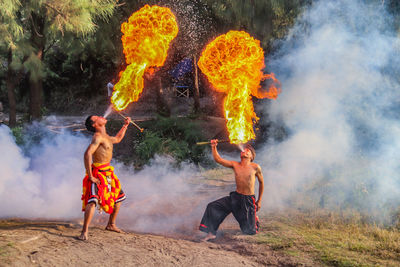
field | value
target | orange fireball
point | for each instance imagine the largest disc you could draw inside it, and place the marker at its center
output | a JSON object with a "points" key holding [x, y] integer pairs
{"points": [[146, 38], [233, 64]]}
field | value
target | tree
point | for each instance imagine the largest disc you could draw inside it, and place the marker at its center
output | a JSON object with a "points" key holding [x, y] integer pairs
{"points": [[266, 20], [10, 34], [45, 23]]}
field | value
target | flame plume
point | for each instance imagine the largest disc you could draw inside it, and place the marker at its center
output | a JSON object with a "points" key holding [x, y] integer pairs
{"points": [[146, 38], [233, 63]]}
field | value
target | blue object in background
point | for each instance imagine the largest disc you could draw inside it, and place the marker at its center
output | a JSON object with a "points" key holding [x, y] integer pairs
{"points": [[182, 68]]}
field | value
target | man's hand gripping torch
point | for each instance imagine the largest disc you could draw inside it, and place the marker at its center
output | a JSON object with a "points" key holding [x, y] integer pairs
{"points": [[134, 124]]}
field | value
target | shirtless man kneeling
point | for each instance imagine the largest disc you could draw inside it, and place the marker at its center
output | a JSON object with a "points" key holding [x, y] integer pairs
{"points": [[101, 186], [242, 202]]}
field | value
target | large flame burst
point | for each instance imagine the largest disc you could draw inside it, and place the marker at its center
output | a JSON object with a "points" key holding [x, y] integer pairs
{"points": [[146, 38], [233, 63]]}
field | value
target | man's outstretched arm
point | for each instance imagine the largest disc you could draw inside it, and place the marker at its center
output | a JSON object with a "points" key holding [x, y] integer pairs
{"points": [[120, 135], [217, 157], [260, 186]]}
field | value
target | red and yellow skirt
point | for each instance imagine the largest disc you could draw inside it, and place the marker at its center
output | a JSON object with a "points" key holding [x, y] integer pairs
{"points": [[107, 193]]}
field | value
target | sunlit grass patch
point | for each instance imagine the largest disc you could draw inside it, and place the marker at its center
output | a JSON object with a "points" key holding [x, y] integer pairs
{"points": [[3, 252], [331, 241], [7, 250], [217, 179], [276, 241], [218, 174]]}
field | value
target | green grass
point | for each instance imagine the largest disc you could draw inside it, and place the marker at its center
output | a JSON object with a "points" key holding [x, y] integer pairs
{"points": [[5, 251], [218, 174], [330, 241], [321, 236]]}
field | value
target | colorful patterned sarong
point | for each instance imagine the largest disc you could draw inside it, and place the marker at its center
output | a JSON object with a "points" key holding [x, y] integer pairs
{"points": [[108, 191]]}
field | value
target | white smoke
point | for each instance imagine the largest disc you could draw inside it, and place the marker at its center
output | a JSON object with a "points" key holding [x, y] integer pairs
{"points": [[45, 181], [338, 106], [161, 198], [45, 184]]}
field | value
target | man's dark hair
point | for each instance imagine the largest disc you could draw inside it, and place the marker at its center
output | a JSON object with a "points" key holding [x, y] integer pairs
{"points": [[89, 124], [253, 152]]}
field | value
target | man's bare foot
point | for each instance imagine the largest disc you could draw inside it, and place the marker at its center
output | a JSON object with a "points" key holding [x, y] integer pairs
{"points": [[209, 237], [114, 228], [83, 236]]}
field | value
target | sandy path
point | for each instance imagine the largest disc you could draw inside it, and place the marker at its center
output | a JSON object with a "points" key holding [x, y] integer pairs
{"points": [[27, 243], [54, 244]]}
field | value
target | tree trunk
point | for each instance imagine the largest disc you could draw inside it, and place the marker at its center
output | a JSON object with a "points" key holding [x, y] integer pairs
{"points": [[36, 80], [11, 93], [162, 105], [196, 94], [36, 88]]}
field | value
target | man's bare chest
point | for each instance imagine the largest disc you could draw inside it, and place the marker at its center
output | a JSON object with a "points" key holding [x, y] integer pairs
{"points": [[245, 173], [105, 145]]}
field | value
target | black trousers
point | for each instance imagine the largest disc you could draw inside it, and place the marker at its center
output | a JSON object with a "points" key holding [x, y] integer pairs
{"points": [[243, 208]]}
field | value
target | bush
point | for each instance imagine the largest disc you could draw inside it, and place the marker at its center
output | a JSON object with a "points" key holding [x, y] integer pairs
{"points": [[18, 134], [173, 136], [150, 144]]}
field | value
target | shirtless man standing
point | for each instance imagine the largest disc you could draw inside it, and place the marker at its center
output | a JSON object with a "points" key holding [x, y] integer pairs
{"points": [[101, 186], [242, 202]]}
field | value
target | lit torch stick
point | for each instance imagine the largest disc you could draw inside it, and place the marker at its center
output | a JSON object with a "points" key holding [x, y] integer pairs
{"points": [[209, 142], [134, 124]]}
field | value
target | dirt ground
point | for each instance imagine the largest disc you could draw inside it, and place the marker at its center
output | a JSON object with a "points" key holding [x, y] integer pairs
{"points": [[54, 243], [45, 243]]}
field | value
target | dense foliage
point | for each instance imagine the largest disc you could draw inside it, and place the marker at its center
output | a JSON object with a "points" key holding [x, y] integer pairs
{"points": [[173, 137], [67, 51], [30, 29]]}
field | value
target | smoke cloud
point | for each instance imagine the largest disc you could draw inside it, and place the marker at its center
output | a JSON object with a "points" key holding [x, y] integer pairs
{"points": [[339, 110], [163, 199], [43, 180]]}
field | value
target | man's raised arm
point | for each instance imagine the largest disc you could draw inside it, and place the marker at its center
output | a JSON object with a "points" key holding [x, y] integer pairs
{"points": [[87, 159], [217, 157], [120, 135], [260, 186]]}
